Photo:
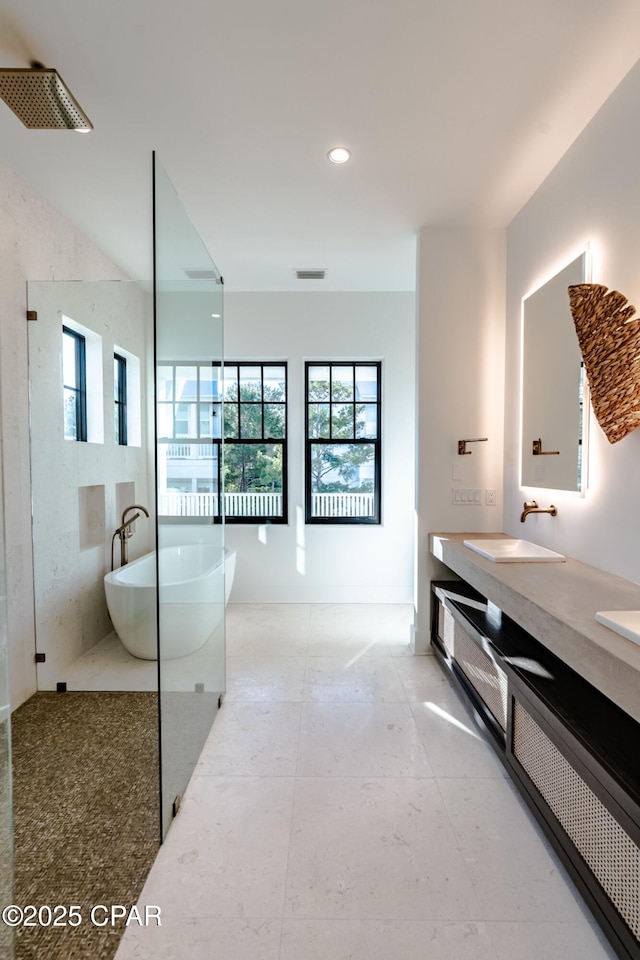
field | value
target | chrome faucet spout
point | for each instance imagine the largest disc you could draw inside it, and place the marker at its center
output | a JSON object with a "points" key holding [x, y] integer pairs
{"points": [[531, 506]]}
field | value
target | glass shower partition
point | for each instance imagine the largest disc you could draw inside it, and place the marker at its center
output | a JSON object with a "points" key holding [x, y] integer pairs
{"points": [[6, 816], [190, 532]]}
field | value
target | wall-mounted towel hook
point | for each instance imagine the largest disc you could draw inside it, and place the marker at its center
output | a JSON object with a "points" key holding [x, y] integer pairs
{"points": [[462, 448]]}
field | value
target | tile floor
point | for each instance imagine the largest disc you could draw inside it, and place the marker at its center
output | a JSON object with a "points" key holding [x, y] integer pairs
{"points": [[346, 807], [108, 666]]}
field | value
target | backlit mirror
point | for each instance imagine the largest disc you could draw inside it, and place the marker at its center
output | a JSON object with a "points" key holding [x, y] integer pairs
{"points": [[553, 387]]}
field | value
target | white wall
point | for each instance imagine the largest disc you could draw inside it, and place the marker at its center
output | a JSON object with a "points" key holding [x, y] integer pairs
{"points": [[593, 194], [317, 563], [460, 358], [36, 243]]}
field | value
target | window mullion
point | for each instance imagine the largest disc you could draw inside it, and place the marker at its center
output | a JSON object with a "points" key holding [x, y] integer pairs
{"points": [[330, 402], [198, 408], [353, 395], [174, 401]]}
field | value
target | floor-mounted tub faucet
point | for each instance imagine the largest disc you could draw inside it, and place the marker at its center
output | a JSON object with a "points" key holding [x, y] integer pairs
{"points": [[125, 532], [531, 506]]}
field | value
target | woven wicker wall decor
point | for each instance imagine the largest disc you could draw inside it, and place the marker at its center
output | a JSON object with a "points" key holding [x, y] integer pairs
{"points": [[609, 337]]}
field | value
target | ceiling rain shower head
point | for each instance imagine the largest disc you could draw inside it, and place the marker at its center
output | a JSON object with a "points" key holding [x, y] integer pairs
{"points": [[39, 97]]}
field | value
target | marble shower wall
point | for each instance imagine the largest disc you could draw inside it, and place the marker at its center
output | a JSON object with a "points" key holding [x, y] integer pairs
{"points": [[36, 243], [79, 489]]}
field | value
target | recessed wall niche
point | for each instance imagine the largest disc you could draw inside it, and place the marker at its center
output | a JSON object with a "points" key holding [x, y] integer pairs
{"points": [[91, 513]]}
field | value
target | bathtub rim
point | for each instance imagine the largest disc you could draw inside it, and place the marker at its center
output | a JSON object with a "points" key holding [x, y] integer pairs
{"points": [[112, 577]]}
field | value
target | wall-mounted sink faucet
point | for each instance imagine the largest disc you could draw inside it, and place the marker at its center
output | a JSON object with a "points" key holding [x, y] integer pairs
{"points": [[537, 450], [531, 506], [462, 444], [125, 532]]}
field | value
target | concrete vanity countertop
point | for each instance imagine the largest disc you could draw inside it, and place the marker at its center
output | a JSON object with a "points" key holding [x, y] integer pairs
{"points": [[556, 603]]}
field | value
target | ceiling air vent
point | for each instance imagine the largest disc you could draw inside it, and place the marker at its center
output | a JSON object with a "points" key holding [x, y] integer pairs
{"points": [[318, 274], [201, 274]]}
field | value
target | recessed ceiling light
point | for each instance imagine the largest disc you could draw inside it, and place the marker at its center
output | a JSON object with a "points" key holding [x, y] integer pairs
{"points": [[339, 155]]}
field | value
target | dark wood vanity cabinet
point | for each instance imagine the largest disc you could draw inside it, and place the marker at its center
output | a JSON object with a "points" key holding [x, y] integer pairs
{"points": [[469, 656], [572, 752]]}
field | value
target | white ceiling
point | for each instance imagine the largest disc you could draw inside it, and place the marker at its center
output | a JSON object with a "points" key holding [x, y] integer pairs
{"points": [[455, 111]]}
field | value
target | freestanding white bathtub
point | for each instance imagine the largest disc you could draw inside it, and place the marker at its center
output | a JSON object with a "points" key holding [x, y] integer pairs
{"points": [[191, 606]]}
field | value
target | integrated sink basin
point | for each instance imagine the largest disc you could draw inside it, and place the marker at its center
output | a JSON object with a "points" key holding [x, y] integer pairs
{"points": [[513, 551], [624, 622]]}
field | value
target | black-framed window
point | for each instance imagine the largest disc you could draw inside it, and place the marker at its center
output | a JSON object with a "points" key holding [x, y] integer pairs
{"points": [[343, 452], [251, 398], [120, 398], [255, 442], [74, 384]]}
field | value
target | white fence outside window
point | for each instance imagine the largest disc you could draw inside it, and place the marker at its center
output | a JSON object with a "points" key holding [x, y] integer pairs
{"points": [[342, 505], [175, 504]]}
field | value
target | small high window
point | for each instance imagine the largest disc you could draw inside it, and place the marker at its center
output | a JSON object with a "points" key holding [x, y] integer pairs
{"points": [[74, 384], [343, 446], [120, 398]]}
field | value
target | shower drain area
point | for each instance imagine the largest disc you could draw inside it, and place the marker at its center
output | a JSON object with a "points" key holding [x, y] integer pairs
{"points": [[86, 815]]}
